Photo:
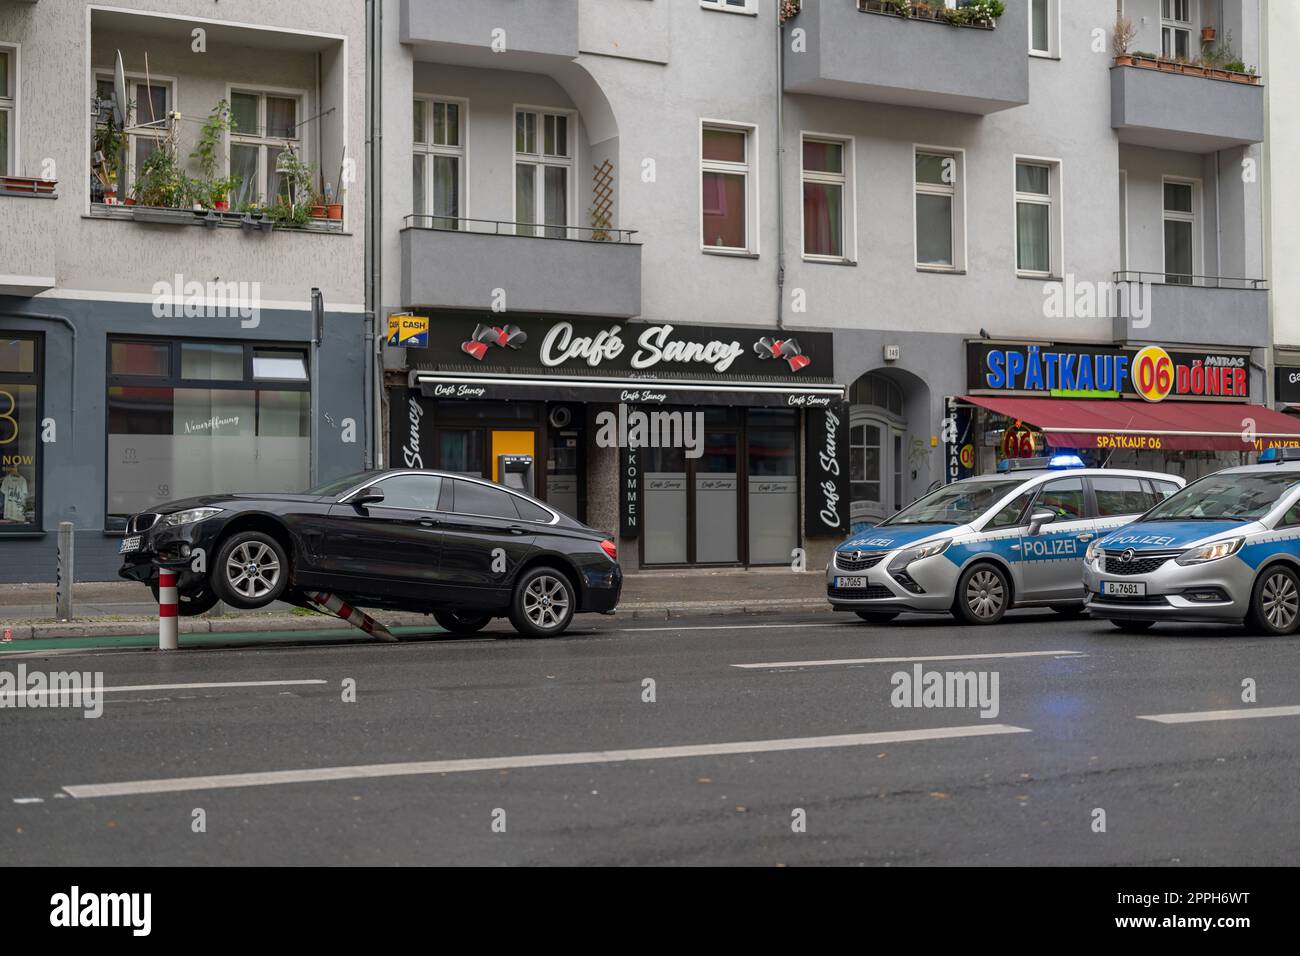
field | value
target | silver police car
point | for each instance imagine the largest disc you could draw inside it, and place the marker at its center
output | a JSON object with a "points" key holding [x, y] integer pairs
{"points": [[1225, 548], [980, 546]]}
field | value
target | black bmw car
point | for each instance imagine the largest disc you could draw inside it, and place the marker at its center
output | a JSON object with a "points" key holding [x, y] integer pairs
{"points": [[463, 549]]}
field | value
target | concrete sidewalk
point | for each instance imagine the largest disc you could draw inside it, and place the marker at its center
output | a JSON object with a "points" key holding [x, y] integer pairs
{"points": [[123, 607]]}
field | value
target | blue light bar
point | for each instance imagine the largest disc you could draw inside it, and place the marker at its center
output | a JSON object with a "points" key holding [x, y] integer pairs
{"points": [[1278, 455], [1065, 460]]}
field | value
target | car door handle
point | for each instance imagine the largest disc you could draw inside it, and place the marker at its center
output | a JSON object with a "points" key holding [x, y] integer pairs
{"points": [[515, 529], [428, 522], [1086, 537]]}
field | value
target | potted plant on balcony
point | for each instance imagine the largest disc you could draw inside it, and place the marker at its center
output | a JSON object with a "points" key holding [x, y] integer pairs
{"points": [[1121, 38], [213, 192], [1208, 34], [789, 9]]}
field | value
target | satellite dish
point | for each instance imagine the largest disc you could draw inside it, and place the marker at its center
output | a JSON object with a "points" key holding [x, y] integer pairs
{"points": [[119, 93]]}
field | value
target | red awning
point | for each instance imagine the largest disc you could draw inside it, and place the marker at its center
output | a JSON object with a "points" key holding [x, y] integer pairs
{"points": [[1149, 426]]}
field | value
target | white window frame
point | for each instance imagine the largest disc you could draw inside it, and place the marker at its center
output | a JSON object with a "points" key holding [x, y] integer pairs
{"points": [[1053, 51], [1171, 25], [847, 180], [1193, 218], [127, 177], [426, 151], [1055, 220], [541, 160], [958, 193], [749, 7], [9, 105], [748, 169], [261, 139]]}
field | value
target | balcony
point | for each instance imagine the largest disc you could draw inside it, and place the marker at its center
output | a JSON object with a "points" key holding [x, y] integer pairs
{"points": [[503, 34], [571, 271], [852, 52], [1196, 310], [1174, 106]]}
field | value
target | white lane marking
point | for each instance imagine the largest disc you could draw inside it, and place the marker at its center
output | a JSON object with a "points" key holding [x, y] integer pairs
{"points": [[65, 691], [29, 800], [1237, 713], [367, 771], [911, 660], [731, 627]]}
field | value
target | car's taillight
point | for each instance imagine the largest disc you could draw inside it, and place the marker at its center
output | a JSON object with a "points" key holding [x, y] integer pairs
{"points": [[610, 548]]}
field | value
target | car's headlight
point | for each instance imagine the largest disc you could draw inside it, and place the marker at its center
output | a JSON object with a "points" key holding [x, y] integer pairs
{"points": [[1211, 552], [177, 518], [916, 554], [1093, 552]]}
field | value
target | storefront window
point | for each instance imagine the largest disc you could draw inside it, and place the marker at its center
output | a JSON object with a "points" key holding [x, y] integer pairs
{"points": [[665, 506], [717, 490], [207, 430], [773, 485], [20, 447]]}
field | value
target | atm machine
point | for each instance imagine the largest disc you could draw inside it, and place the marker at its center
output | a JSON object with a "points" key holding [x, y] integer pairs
{"points": [[516, 472]]}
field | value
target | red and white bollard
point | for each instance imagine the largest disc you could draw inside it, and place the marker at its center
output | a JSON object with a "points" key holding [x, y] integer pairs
{"points": [[354, 616], [167, 611]]}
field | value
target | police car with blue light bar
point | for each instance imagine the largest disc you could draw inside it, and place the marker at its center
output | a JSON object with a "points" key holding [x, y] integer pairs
{"points": [[981, 546], [1226, 548]]}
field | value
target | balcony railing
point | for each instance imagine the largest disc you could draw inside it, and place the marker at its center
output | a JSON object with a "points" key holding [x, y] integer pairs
{"points": [[1194, 281], [532, 230]]}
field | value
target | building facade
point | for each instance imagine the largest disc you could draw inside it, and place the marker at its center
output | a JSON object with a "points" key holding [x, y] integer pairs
{"points": [[158, 254], [993, 233]]}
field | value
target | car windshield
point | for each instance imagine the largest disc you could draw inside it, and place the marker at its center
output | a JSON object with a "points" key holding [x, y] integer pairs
{"points": [[339, 485], [958, 503], [1239, 497]]}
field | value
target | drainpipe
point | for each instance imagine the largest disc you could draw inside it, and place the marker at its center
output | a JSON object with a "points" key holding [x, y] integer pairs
{"points": [[317, 332], [374, 232], [780, 171]]}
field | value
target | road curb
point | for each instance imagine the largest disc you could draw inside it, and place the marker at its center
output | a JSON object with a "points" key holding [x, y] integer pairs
{"points": [[228, 624]]}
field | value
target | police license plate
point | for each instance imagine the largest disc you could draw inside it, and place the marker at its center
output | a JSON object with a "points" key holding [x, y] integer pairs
{"points": [[1124, 588], [129, 544], [850, 582]]}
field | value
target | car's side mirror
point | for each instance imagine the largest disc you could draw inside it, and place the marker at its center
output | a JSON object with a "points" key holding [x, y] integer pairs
{"points": [[1039, 519], [367, 496]]}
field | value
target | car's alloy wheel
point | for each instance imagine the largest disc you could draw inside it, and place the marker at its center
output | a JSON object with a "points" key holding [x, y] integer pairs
{"points": [[1275, 605], [251, 570], [543, 603], [982, 595]]}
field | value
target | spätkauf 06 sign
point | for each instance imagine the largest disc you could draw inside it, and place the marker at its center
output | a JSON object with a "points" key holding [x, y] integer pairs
{"points": [[1152, 373]]}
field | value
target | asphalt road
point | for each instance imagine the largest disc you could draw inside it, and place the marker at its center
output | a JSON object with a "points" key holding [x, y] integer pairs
{"points": [[812, 729]]}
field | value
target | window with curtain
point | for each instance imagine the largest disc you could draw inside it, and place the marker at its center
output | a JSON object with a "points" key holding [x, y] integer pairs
{"points": [[438, 162], [865, 454], [937, 180], [725, 171], [1180, 232], [824, 203], [1034, 218], [543, 165], [266, 125], [1040, 34]]}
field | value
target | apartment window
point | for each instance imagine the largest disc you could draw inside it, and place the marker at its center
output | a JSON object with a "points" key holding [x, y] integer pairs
{"points": [[1176, 28], [1180, 231], [197, 417], [731, 6], [1044, 19], [8, 109], [146, 117], [543, 165], [438, 162], [938, 212], [1036, 253], [825, 198], [726, 184], [267, 124]]}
